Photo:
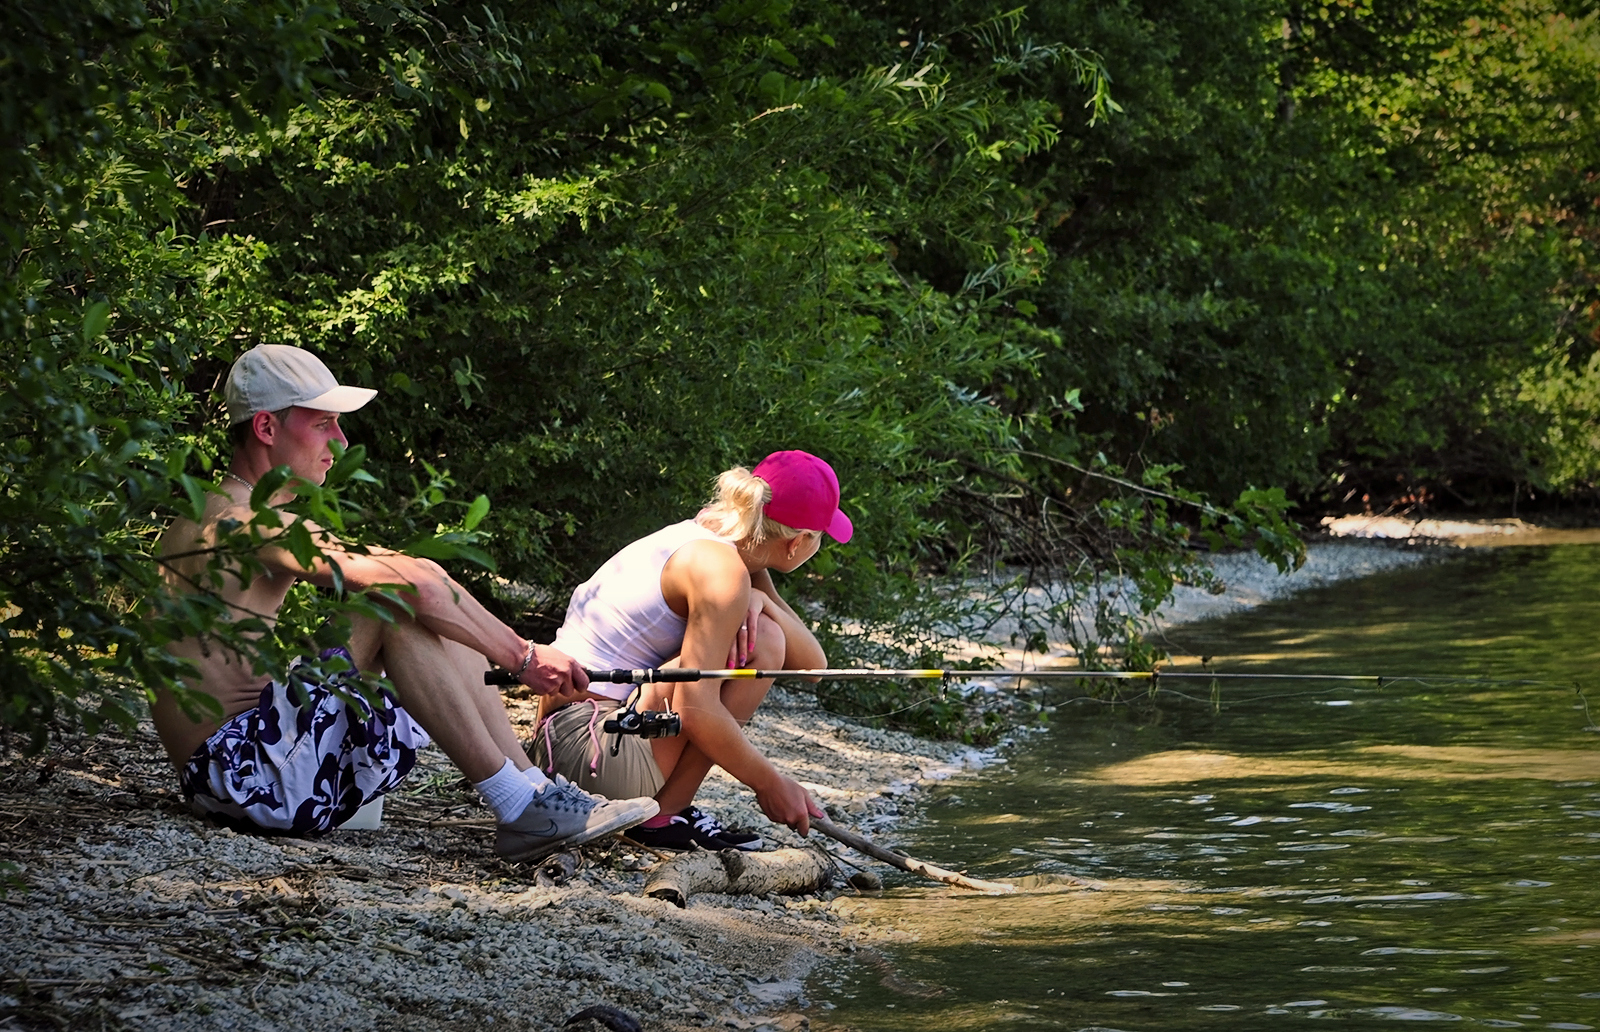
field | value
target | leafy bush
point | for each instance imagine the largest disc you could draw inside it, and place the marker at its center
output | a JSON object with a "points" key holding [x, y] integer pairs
{"points": [[592, 252]]}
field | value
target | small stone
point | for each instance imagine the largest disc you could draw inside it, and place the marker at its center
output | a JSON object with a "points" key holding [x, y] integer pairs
{"points": [[866, 881]]}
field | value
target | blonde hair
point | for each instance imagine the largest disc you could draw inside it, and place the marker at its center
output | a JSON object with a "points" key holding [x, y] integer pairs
{"points": [[737, 509]]}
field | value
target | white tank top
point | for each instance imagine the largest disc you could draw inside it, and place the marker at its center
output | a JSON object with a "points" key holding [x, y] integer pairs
{"points": [[619, 618]]}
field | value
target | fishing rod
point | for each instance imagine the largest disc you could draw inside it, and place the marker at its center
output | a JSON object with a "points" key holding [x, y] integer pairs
{"points": [[665, 723], [653, 675]]}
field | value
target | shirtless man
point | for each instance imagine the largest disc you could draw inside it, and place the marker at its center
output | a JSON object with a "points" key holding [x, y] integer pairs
{"points": [[271, 765]]}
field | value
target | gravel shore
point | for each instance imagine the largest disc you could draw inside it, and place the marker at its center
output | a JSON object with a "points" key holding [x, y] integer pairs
{"points": [[1251, 580], [124, 912]]}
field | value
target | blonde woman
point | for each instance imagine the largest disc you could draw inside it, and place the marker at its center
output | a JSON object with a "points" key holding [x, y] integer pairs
{"points": [[698, 594]]}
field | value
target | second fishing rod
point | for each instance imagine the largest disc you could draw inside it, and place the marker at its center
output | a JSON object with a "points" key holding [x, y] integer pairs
{"points": [[666, 724]]}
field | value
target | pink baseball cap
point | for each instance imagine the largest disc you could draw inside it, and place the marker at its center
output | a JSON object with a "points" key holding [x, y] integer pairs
{"points": [[805, 493]]}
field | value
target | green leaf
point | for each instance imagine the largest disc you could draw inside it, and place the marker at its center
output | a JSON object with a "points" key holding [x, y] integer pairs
{"points": [[297, 539], [95, 319], [347, 464], [447, 547], [195, 491], [432, 548], [476, 512]]}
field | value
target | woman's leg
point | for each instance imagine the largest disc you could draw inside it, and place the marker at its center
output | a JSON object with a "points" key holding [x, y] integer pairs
{"points": [[680, 760]]}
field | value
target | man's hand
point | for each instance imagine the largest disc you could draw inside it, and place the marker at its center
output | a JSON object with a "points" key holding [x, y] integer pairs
{"points": [[785, 802], [554, 673]]}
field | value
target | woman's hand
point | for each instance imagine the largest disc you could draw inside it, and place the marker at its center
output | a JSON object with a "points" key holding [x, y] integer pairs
{"points": [[744, 642], [785, 802]]}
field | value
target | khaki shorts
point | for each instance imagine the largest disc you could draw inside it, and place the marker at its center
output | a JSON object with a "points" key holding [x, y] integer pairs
{"points": [[582, 752]]}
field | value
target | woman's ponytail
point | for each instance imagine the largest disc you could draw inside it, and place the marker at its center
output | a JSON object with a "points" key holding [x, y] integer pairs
{"points": [[737, 511]]}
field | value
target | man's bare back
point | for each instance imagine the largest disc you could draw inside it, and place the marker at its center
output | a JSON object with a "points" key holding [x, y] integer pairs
{"points": [[186, 549]]}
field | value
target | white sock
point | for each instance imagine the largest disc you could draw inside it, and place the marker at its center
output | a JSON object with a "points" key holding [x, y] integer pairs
{"points": [[536, 778], [507, 792]]}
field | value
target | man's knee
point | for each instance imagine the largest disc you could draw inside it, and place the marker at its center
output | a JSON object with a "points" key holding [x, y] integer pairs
{"points": [[366, 642], [370, 636], [407, 643]]}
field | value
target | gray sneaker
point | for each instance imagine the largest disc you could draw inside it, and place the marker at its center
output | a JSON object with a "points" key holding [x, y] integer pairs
{"points": [[562, 814]]}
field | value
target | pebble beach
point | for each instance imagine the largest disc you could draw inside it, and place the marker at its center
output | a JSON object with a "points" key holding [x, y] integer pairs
{"points": [[122, 911]]}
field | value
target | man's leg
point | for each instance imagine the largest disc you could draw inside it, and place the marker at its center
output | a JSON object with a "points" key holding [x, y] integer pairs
{"points": [[440, 683], [434, 681]]}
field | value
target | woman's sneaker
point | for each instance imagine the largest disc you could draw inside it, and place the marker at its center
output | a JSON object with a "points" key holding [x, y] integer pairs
{"points": [[562, 814], [732, 838], [693, 828]]}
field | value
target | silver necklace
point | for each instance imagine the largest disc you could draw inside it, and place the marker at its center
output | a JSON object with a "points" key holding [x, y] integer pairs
{"points": [[242, 480]]}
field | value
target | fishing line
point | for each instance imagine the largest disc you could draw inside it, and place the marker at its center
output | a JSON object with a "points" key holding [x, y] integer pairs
{"points": [[1388, 683], [1153, 678], [1217, 704]]}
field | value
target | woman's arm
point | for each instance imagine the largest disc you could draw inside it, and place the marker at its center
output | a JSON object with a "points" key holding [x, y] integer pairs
{"points": [[804, 652]]}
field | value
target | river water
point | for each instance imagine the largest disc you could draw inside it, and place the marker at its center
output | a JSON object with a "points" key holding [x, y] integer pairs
{"points": [[1282, 852]]}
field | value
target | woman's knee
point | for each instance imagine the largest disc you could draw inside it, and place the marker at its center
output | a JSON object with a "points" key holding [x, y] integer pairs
{"points": [[771, 645]]}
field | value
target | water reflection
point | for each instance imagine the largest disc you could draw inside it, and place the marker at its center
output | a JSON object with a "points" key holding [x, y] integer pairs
{"points": [[1426, 852], [1404, 762]]}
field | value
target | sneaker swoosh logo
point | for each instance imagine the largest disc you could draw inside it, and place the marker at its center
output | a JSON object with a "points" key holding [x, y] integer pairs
{"points": [[546, 832]]}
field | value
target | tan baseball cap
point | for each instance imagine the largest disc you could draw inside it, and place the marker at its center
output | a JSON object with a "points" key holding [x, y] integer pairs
{"points": [[270, 377]]}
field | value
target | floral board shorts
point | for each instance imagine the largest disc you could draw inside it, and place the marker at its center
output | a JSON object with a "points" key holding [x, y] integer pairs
{"points": [[288, 769]]}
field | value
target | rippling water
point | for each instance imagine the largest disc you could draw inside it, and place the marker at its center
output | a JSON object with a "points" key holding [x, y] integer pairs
{"points": [[1283, 852]]}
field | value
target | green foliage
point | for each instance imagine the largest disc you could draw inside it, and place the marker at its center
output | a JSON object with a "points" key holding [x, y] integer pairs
{"points": [[592, 252], [1342, 249], [111, 308], [902, 706]]}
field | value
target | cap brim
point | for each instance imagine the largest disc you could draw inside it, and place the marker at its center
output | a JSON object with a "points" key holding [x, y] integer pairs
{"points": [[840, 527], [341, 399]]}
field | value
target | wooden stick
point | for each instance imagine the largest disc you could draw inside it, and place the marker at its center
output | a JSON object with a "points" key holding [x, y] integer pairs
{"points": [[906, 863]]}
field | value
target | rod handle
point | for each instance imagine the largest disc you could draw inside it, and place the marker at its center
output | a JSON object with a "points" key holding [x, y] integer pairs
{"points": [[646, 676]]}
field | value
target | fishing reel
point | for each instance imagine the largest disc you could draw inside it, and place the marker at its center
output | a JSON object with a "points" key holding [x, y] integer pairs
{"points": [[630, 721], [644, 723]]}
